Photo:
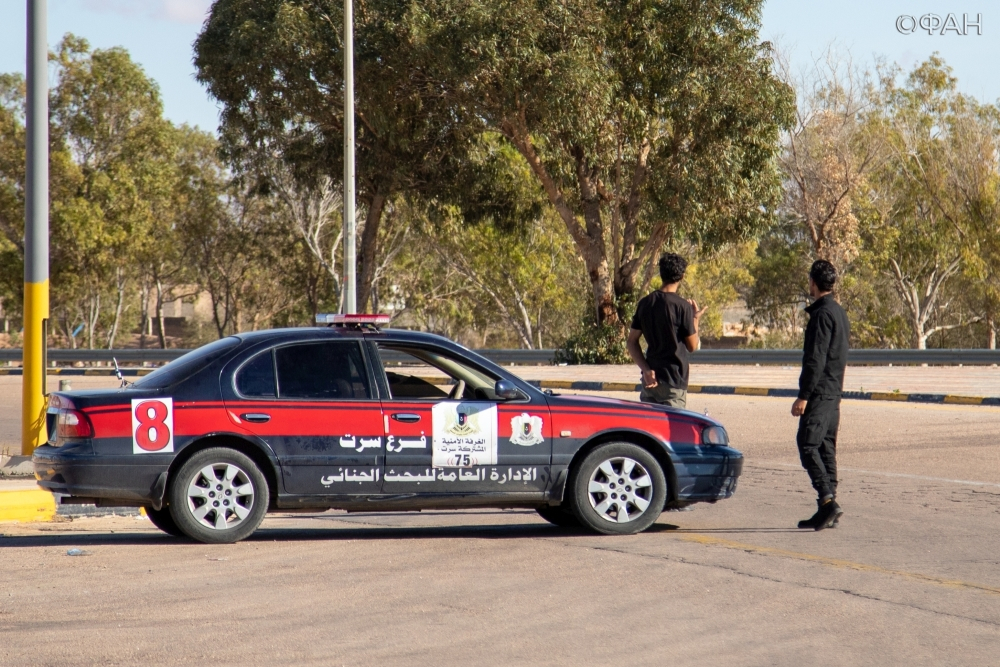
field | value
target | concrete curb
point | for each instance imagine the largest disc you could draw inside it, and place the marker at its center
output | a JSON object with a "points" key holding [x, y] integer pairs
{"points": [[782, 393], [34, 504], [27, 505], [16, 466]]}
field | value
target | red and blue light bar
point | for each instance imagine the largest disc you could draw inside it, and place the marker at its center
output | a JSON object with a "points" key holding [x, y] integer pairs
{"points": [[353, 318]]}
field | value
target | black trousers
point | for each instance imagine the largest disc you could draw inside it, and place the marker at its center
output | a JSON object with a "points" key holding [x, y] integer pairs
{"points": [[817, 441]]}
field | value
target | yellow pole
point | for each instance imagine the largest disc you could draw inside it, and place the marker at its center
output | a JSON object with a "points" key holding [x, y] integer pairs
{"points": [[36, 232], [33, 390]]}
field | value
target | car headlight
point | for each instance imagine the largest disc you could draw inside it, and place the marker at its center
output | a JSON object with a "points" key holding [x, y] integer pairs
{"points": [[714, 435]]}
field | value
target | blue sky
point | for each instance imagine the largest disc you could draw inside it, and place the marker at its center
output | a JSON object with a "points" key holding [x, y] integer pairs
{"points": [[159, 33]]}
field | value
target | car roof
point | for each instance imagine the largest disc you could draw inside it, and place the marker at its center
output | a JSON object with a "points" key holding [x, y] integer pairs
{"points": [[396, 335]]}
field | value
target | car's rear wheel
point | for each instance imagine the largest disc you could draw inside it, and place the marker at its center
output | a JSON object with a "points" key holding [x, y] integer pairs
{"points": [[618, 489], [559, 516], [219, 495], [161, 519]]}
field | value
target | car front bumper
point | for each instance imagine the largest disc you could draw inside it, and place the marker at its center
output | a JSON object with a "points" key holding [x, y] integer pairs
{"points": [[706, 473]]}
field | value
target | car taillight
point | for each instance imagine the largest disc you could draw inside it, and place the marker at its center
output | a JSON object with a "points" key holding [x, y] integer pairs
{"points": [[73, 424]]}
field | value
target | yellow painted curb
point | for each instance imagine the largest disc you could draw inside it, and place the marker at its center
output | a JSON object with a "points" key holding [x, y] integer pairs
{"points": [[27, 505], [619, 386], [964, 400], [557, 384], [885, 396], [751, 391]]}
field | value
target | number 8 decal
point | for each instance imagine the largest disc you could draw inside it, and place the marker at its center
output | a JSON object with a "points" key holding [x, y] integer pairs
{"points": [[152, 425]]}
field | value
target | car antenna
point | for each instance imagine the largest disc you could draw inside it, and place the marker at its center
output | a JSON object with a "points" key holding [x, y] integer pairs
{"points": [[118, 374]]}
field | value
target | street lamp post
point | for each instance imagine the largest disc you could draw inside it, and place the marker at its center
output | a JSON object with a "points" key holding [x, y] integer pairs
{"points": [[350, 249], [36, 232]]}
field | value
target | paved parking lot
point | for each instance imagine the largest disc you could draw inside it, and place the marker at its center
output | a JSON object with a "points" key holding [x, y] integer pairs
{"points": [[910, 577]]}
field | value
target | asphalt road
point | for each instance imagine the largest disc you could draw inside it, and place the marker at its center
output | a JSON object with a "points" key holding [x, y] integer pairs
{"points": [[911, 576]]}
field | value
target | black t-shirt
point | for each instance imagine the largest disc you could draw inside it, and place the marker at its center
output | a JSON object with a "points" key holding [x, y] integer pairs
{"points": [[665, 320]]}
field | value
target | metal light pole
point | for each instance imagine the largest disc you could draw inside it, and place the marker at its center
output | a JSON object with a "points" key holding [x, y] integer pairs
{"points": [[36, 232], [350, 250]]}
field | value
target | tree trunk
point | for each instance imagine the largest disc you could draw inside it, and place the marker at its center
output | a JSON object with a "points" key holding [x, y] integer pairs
{"points": [[95, 313], [144, 319], [992, 340], [120, 286], [369, 244], [161, 334], [590, 240]]}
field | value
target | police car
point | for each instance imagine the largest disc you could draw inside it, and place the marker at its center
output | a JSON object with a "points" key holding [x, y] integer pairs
{"points": [[355, 417]]}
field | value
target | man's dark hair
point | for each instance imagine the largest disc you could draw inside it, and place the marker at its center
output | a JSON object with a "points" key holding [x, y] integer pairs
{"points": [[672, 268], [823, 274]]}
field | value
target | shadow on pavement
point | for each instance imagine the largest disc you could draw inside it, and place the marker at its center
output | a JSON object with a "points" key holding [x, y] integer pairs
{"points": [[343, 529]]}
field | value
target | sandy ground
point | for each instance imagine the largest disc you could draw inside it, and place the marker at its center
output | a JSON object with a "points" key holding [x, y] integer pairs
{"points": [[910, 577]]}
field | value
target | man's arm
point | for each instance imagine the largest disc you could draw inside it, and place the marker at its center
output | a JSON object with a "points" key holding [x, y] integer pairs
{"points": [[819, 334], [634, 351], [693, 342]]}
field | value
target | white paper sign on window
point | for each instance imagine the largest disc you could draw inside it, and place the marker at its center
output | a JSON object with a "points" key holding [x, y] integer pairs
{"points": [[465, 434]]}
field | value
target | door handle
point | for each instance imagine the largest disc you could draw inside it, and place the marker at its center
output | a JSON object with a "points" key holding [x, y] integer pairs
{"points": [[406, 417], [256, 417]]}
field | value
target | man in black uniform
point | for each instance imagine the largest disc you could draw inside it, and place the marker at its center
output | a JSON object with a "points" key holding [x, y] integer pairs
{"points": [[669, 323], [820, 386]]}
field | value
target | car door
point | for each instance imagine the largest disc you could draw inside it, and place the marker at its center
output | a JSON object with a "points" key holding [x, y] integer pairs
{"points": [[446, 431], [314, 403]]}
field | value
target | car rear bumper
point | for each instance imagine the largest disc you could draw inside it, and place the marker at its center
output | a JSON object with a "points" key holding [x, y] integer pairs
{"points": [[75, 471]]}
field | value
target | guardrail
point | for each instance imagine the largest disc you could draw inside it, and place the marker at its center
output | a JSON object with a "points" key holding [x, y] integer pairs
{"points": [[547, 357]]}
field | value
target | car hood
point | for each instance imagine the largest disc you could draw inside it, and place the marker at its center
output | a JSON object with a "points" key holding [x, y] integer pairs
{"points": [[635, 406]]}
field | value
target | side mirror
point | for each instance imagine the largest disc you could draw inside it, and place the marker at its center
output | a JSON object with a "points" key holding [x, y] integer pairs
{"points": [[506, 390]]}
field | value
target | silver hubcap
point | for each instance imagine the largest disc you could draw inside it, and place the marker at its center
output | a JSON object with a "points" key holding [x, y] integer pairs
{"points": [[620, 490], [220, 496]]}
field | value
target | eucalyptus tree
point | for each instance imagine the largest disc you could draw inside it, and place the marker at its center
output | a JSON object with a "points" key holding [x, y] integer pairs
{"points": [[277, 68], [108, 114], [643, 121], [920, 232]]}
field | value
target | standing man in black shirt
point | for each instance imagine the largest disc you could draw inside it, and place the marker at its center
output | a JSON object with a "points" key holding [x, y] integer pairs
{"points": [[669, 324], [820, 387]]}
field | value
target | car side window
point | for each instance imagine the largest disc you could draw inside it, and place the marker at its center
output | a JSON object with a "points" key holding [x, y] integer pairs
{"points": [[424, 374], [256, 378], [325, 370]]}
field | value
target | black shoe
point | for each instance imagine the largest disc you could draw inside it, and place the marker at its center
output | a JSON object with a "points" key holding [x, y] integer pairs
{"points": [[810, 522], [828, 514]]}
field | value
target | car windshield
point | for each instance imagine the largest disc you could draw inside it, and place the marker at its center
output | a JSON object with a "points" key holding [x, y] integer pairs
{"points": [[184, 366]]}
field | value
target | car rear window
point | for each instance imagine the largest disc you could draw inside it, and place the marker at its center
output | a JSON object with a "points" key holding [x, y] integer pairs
{"points": [[326, 370], [185, 366]]}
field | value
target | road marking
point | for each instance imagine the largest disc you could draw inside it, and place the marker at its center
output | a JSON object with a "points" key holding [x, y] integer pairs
{"points": [[923, 478], [833, 562]]}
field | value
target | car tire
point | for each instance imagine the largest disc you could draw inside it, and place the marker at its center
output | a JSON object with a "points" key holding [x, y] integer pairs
{"points": [[559, 516], [162, 519], [618, 489], [230, 511]]}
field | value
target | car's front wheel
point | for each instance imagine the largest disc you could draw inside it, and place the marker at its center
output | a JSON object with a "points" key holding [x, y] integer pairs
{"points": [[618, 489], [219, 495]]}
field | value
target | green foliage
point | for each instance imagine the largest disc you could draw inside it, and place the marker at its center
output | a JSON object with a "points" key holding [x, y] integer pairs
{"points": [[409, 137], [716, 279], [643, 122], [483, 283], [594, 344]]}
